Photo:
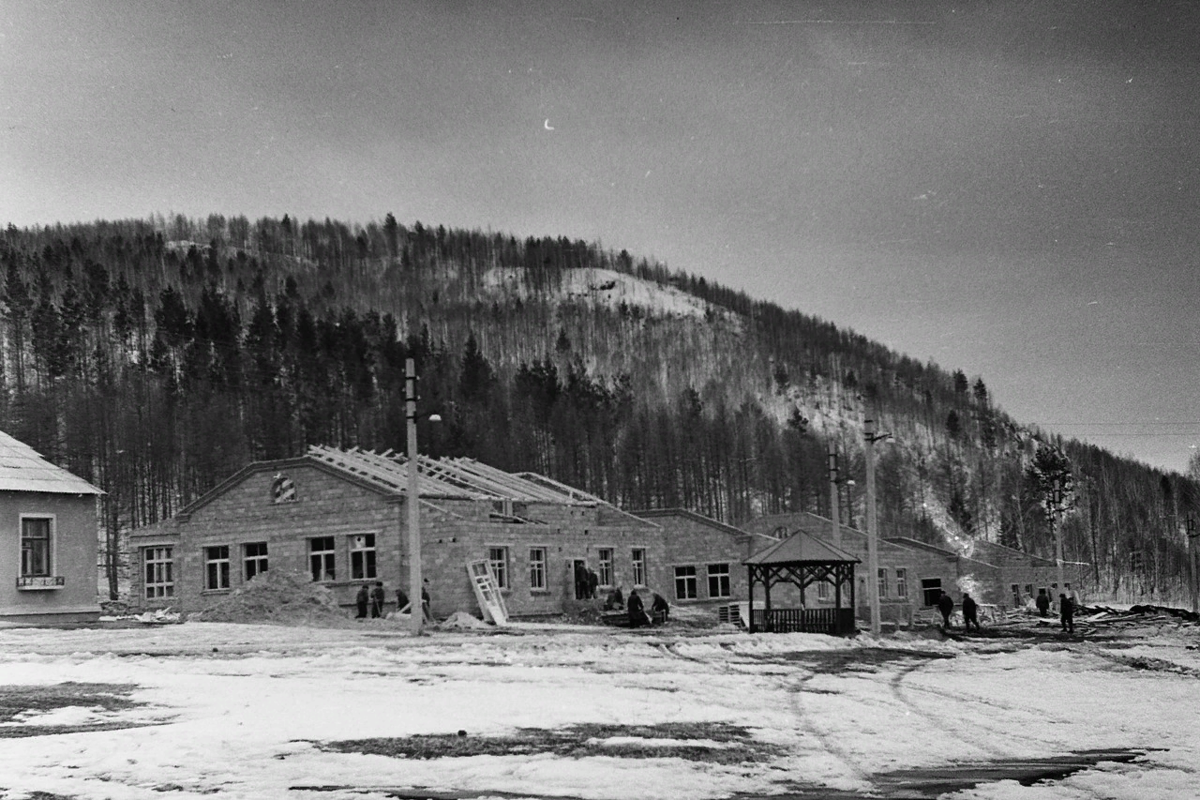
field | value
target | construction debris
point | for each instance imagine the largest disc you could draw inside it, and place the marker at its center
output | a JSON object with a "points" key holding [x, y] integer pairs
{"points": [[280, 598]]}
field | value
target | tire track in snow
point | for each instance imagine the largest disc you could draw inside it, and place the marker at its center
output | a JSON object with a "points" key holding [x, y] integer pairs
{"points": [[808, 725]]}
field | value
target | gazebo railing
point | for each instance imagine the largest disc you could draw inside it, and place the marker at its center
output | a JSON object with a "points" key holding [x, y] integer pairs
{"points": [[833, 621]]}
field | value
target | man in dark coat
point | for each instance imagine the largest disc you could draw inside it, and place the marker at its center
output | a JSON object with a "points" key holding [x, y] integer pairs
{"points": [[946, 606], [1042, 602], [1066, 613], [659, 607], [970, 610], [401, 601], [593, 582], [361, 599], [377, 599], [637, 612]]}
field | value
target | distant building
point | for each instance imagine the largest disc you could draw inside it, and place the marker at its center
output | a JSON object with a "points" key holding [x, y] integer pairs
{"points": [[48, 528]]}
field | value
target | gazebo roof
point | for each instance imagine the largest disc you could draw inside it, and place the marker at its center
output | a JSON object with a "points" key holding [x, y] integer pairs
{"points": [[801, 548]]}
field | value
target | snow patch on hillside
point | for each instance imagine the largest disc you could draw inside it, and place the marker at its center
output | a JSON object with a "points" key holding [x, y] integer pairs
{"points": [[608, 288]]}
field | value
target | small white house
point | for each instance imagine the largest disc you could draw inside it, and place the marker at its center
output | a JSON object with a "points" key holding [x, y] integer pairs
{"points": [[48, 532]]}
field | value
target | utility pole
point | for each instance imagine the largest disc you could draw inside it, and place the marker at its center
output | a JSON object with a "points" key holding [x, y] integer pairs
{"points": [[834, 499], [416, 607], [870, 437], [1192, 536], [1056, 521]]}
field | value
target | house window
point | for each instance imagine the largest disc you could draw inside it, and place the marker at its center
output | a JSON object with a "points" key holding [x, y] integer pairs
{"points": [[160, 579], [605, 577], [283, 490], [718, 580], [498, 559], [883, 587], [537, 568], [902, 583], [216, 568], [254, 559], [931, 590], [685, 583], [638, 560], [823, 590], [362, 556], [320, 558], [35, 547]]}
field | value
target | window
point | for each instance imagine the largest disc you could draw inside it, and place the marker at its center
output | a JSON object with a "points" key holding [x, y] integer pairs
{"points": [[537, 568], [216, 568], [606, 567], [1016, 595], [638, 560], [902, 583], [362, 556], [320, 558], [35, 547], [823, 590], [254, 559], [685, 583], [883, 587], [283, 490], [160, 579], [718, 580], [498, 559], [931, 590]]}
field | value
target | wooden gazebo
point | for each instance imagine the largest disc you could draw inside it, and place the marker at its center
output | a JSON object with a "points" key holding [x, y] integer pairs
{"points": [[802, 560]]}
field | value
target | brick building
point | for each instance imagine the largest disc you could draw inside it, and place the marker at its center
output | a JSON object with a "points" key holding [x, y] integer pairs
{"points": [[49, 528], [340, 517]]}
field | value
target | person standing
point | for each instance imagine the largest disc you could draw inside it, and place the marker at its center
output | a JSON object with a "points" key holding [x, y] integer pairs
{"points": [[377, 599], [361, 599], [401, 602], [945, 605], [637, 611], [970, 612], [1066, 613], [1042, 602]]}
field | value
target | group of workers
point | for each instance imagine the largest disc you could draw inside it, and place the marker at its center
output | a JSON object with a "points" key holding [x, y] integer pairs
{"points": [[970, 610]]}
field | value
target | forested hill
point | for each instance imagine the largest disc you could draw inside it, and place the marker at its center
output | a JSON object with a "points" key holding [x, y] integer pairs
{"points": [[155, 357]]}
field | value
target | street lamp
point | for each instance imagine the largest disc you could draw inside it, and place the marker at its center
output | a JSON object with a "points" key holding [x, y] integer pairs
{"points": [[870, 437], [416, 606]]}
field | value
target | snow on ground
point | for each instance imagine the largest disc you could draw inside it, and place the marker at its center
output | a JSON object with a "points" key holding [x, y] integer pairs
{"points": [[237, 710], [610, 288]]}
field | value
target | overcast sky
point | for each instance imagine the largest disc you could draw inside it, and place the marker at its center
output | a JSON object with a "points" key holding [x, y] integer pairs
{"points": [[1010, 189]]}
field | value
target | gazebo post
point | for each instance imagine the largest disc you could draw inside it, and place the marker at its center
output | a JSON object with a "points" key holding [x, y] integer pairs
{"points": [[767, 626], [750, 605]]}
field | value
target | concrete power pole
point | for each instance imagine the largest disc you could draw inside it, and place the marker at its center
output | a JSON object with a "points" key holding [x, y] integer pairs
{"points": [[1192, 536], [869, 439], [834, 500], [416, 612]]}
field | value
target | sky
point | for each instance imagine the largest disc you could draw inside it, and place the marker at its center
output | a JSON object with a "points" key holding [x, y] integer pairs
{"points": [[237, 711], [1009, 189]]}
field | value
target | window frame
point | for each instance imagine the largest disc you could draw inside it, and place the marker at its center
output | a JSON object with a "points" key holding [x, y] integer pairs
{"points": [[164, 571], [364, 559], [882, 582], [261, 561], [902, 583], [326, 572], [50, 553], [605, 568], [537, 568], [824, 590], [217, 568], [927, 586], [638, 566], [722, 580], [503, 580], [685, 580]]}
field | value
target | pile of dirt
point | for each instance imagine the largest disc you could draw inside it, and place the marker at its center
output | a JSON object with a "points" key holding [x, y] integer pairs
{"points": [[281, 598]]}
